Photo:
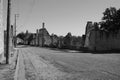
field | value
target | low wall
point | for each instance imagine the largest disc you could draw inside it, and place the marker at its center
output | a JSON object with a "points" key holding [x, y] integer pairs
{"points": [[100, 40]]}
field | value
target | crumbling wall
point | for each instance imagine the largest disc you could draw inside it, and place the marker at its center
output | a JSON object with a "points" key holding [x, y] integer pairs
{"points": [[107, 42], [100, 40]]}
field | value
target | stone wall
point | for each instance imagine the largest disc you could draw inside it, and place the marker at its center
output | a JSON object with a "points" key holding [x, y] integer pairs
{"points": [[101, 40]]}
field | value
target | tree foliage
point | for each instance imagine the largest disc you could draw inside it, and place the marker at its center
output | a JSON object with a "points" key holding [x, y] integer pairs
{"points": [[21, 36], [67, 40], [111, 19], [25, 37]]}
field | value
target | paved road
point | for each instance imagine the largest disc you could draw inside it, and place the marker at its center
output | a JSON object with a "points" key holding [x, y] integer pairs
{"points": [[80, 66]]}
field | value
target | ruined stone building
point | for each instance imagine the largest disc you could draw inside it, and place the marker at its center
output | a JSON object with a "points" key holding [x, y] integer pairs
{"points": [[44, 37], [54, 40], [33, 39], [70, 42], [41, 37], [99, 40]]}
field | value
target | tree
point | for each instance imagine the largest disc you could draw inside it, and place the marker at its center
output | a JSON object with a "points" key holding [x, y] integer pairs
{"points": [[67, 40], [109, 14], [26, 37], [21, 36], [110, 22], [117, 19]]}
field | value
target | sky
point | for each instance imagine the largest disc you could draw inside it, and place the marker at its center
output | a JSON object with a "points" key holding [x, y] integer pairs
{"points": [[60, 16]]}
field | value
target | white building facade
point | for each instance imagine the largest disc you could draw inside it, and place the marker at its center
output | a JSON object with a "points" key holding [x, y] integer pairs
{"points": [[1, 27]]}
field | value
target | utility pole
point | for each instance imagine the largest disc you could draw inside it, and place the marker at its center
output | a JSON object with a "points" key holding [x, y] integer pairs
{"points": [[8, 33], [15, 38]]}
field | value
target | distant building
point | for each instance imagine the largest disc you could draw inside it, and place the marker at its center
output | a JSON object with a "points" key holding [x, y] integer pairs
{"points": [[33, 41], [42, 37], [54, 40], [37, 38], [70, 42]]}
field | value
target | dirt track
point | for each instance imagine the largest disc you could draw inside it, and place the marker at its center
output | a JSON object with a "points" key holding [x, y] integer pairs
{"points": [[45, 64]]}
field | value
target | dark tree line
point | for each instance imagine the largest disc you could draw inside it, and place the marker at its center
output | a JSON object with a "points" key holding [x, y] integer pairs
{"points": [[21, 36], [26, 37], [111, 20]]}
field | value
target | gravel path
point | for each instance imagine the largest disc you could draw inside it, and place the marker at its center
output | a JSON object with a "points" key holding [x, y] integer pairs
{"points": [[44, 64], [38, 69]]}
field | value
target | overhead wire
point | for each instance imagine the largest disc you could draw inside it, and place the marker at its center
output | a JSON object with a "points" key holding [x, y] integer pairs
{"points": [[28, 17]]}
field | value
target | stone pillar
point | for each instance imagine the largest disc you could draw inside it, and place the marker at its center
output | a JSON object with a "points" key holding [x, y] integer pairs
{"points": [[88, 27]]}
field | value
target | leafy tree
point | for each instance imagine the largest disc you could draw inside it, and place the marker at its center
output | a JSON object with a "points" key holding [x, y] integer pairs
{"points": [[21, 36], [109, 14], [67, 40], [111, 19], [26, 37], [117, 19]]}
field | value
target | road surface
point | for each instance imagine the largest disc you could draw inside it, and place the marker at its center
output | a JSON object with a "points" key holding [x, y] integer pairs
{"points": [[52, 64]]}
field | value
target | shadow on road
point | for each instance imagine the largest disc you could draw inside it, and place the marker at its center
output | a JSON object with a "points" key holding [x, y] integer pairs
{"points": [[87, 51], [22, 46], [76, 51]]}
